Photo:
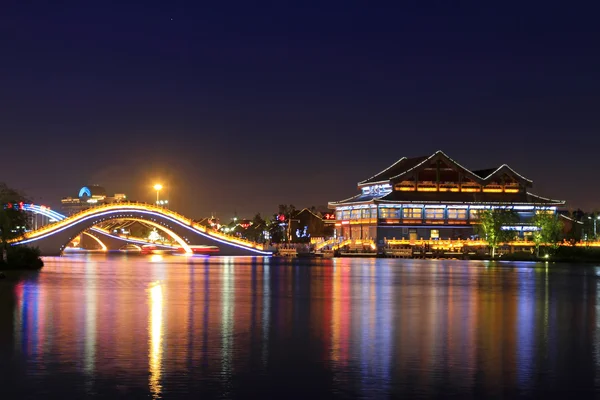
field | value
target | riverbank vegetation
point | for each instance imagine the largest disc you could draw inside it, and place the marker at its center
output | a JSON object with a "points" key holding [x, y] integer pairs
{"points": [[567, 254], [21, 257], [14, 221]]}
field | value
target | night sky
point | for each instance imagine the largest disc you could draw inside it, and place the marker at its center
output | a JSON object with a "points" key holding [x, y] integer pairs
{"points": [[240, 107]]}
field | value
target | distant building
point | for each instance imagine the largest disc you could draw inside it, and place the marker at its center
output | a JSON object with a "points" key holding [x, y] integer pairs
{"points": [[434, 197], [305, 225], [89, 196]]}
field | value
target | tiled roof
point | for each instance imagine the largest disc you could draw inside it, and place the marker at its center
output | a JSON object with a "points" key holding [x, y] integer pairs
{"points": [[397, 168], [405, 165], [453, 197]]}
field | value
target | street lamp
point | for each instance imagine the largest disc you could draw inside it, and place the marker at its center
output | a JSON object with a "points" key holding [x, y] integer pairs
{"points": [[158, 187]]}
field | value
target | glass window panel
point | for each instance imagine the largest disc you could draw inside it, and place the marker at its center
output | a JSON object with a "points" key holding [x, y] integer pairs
{"points": [[434, 213], [389, 213], [412, 213], [457, 213]]}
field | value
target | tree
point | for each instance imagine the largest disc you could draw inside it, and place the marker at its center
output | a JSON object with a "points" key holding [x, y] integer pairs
{"points": [[254, 232], [276, 229], [287, 210], [549, 231], [13, 221], [491, 223]]}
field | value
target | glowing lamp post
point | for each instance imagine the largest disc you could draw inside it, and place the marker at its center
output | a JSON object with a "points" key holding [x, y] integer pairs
{"points": [[158, 187]]}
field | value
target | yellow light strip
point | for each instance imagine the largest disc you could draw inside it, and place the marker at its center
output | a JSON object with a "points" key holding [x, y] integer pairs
{"points": [[492, 190], [449, 189], [355, 242], [478, 243]]}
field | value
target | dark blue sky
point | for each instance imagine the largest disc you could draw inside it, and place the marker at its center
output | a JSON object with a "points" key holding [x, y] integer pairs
{"points": [[240, 106]]}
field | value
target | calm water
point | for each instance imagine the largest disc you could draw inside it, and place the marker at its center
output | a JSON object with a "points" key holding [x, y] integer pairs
{"points": [[175, 327]]}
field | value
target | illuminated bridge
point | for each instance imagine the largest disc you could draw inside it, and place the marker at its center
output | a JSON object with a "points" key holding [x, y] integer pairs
{"points": [[103, 237], [52, 239]]}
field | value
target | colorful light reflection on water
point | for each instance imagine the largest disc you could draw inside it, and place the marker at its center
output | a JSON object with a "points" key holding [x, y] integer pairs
{"points": [[126, 326]]}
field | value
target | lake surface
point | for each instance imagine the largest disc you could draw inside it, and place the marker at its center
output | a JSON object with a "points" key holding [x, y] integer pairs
{"points": [[123, 326]]}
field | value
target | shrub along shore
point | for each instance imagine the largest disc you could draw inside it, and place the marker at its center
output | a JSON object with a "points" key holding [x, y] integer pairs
{"points": [[21, 257], [566, 254]]}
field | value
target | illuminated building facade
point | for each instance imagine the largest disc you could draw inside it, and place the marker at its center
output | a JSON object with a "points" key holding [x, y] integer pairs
{"points": [[434, 197], [89, 196]]}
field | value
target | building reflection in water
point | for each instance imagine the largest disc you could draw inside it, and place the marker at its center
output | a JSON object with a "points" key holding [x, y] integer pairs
{"points": [[90, 320], [369, 326], [227, 315], [525, 327], [155, 332], [266, 312]]}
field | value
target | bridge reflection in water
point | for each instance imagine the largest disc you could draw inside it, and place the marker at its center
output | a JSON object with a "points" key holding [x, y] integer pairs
{"points": [[155, 331], [347, 327]]}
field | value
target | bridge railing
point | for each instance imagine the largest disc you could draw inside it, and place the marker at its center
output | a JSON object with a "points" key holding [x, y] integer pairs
{"points": [[326, 243]]}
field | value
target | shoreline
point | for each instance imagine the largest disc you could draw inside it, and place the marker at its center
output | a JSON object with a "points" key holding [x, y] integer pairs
{"points": [[16, 267]]}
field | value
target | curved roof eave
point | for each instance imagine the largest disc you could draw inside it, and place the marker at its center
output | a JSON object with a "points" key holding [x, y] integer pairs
{"points": [[363, 182], [553, 201], [506, 166]]}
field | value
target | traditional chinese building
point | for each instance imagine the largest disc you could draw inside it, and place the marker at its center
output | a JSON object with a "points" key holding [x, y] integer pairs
{"points": [[434, 197]]}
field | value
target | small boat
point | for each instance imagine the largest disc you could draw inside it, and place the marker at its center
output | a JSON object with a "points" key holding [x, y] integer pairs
{"points": [[206, 250], [152, 249], [130, 248]]}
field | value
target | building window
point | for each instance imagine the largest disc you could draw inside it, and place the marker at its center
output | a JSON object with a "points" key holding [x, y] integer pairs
{"points": [[435, 234], [474, 214], [434, 213], [355, 214], [342, 215], [412, 213], [389, 213], [366, 213], [457, 213]]}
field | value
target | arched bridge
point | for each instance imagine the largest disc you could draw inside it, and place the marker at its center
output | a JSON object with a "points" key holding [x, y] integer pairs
{"points": [[52, 239]]}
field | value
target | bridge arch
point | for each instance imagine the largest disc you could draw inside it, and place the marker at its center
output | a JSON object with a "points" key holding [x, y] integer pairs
{"points": [[100, 242], [95, 232], [169, 232], [52, 239]]}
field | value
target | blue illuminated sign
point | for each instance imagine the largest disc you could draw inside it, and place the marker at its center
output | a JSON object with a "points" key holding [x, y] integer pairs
{"points": [[377, 190], [85, 191]]}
